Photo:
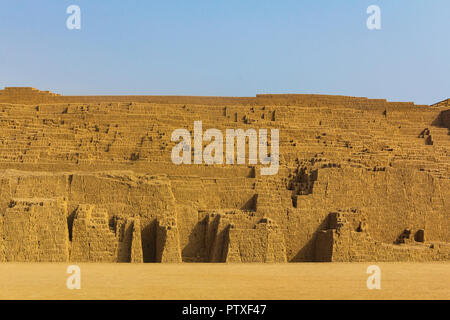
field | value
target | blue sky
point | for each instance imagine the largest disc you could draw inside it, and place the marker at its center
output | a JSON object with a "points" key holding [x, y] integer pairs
{"points": [[229, 48]]}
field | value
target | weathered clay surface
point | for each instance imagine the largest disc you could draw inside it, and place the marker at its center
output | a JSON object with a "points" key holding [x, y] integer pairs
{"points": [[91, 179]]}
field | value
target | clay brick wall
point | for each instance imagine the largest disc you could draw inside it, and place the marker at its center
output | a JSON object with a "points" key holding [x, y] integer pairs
{"points": [[347, 239], [34, 230], [111, 156], [263, 243]]}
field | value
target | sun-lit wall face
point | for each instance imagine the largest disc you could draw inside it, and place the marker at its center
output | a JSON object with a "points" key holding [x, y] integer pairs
{"points": [[354, 179]]}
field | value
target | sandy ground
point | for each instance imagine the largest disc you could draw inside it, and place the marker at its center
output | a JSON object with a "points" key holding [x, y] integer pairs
{"points": [[225, 281]]}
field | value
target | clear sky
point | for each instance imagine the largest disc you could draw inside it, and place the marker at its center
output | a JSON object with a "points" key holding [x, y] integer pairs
{"points": [[229, 47]]}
